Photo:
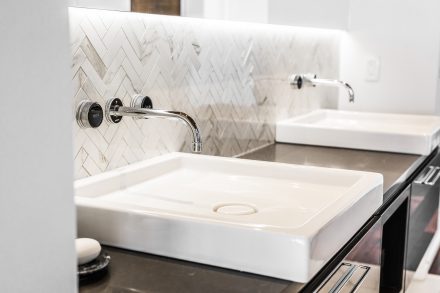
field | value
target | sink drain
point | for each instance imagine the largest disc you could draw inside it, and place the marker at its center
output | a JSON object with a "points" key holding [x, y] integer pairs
{"points": [[236, 209]]}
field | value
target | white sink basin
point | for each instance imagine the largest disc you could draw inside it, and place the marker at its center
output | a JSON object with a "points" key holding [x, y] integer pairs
{"points": [[273, 219], [400, 133]]}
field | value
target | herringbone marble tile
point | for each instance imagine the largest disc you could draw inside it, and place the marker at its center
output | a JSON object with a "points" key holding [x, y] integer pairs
{"points": [[232, 78]]}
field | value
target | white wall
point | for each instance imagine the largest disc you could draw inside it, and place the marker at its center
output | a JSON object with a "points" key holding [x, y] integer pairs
{"points": [[248, 10], [236, 10], [192, 8], [37, 221], [311, 13], [404, 36], [118, 5]]}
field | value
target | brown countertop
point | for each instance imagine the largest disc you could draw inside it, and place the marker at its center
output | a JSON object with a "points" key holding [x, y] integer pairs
{"points": [[390, 165], [140, 272]]}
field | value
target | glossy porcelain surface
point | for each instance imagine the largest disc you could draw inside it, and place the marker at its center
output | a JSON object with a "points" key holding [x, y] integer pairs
{"points": [[400, 133], [273, 219]]}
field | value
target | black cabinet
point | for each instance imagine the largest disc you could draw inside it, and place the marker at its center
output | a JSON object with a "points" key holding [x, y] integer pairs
{"points": [[388, 249], [374, 260], [423, 216], [395, 223], [360, 270]]}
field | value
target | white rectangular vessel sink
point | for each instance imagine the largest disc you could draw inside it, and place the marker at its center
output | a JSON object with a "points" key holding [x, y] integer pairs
{"points": [[400, 133], [280, 220]]}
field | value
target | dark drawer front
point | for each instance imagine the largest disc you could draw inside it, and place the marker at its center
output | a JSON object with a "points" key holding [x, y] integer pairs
{"points": [[360, 270]]}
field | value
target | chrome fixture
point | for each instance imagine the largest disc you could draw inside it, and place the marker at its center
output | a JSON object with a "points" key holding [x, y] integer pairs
{"points": [[297, 81], [141, 108], [347, 276], [89, 114]]}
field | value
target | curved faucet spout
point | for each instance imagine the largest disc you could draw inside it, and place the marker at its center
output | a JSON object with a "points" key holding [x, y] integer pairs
{"points": [[118, 110], [298, 81], [164, 114], [338, 83]]}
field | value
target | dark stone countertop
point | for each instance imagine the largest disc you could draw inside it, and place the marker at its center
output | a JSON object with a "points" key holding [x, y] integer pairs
{"points": [[140, 272]]}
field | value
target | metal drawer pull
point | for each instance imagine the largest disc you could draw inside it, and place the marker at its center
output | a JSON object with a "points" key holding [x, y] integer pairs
{"points": [[431, 181], [423, 177], [361, 279], [343, 280], [431, 177]]}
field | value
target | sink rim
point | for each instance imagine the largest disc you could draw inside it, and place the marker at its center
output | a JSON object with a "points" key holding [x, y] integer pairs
{"points": [[306, 129], [299, 121], [366, 182]]}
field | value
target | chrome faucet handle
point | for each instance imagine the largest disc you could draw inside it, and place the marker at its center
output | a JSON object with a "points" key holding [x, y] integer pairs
{"points": [[297, 81], [89, 114], [111, 107], [140, 101]]}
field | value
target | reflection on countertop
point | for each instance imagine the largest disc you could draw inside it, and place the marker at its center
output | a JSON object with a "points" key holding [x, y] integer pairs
{"points": [[139, 272], [390, 165]]}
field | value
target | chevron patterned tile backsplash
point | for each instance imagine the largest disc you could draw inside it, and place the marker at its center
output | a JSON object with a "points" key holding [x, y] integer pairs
{"points": [[230, 77]]}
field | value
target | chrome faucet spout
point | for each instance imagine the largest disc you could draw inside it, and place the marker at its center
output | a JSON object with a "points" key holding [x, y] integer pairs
{"points": [[164, 114], [298, 81], [117, 110], [337, 83]]}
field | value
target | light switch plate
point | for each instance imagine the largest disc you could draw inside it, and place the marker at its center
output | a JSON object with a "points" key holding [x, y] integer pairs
{"points": [[372, 72]]}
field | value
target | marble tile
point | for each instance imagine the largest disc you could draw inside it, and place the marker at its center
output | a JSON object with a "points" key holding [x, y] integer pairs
{"points": [[230, 77]]}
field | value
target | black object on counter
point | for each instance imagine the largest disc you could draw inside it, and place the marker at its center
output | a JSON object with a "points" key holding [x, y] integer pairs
{"points": [[94, 270]]}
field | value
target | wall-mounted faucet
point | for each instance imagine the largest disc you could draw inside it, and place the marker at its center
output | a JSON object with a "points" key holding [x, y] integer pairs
{"points": [[141, 107], [297, 81]]}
